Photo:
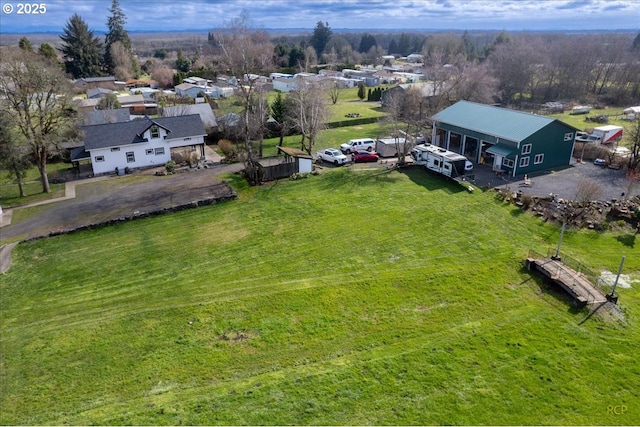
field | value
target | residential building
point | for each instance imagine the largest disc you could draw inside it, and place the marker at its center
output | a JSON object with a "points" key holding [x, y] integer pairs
{"points": [[141, 143]]}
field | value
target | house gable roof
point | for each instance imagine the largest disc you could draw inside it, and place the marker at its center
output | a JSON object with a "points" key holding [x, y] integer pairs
{"points": [[126, 133], [500, 122]]}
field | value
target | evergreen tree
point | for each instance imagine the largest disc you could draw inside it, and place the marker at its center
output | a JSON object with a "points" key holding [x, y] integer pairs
{"points": [[369, 94], [321, 36], [404, 46], [116, 33], [366, 42], [296, 56], [469, 47], [279, 114], [361, 91], [25, 44], [81, 49], [393, 47], [47, 51], [183, 63], [160, 53]]}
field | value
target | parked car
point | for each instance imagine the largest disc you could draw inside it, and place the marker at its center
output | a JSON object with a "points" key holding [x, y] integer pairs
{"points": [[364, 157], [358, 145], [468, 166], [600, 162], [331, 155]]}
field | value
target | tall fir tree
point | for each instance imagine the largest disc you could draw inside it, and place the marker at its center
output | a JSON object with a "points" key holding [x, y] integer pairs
{"points": [[81, 49], [116, 33]]}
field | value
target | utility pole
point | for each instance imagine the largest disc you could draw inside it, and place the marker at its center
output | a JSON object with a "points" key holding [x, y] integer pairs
{"points": [[612, 296], [556, 257]]}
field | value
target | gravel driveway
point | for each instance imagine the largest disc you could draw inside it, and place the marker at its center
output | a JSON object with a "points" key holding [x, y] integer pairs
{"points": [[563, 182], [117, 197]]}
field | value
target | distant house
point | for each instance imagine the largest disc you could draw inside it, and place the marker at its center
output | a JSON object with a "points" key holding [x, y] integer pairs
{"points": [[429, 90], [93, 82], [511, 142], [142, 143], [100, 117], [98, 92], [203, 110], [285, 85]]}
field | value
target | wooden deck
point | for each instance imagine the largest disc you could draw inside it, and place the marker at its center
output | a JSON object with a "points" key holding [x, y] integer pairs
{"points": [[575, 283]]}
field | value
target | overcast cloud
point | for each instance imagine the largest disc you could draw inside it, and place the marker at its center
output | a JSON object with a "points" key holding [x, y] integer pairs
{"points": [[370, 15]]}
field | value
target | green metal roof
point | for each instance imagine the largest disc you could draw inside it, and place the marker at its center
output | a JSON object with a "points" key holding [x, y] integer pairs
{"points": [[501, 150], [501, 122]]}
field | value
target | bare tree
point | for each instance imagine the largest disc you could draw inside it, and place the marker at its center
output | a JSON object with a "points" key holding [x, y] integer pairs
{"points": [[334, 92], [121, 61], [634, 158], [163, 75], [308, 113], [35, 98], [587, 190], [396, 105], [244, 53]]}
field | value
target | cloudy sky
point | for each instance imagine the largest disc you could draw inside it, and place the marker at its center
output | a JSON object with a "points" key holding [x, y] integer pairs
{"points": [[368, 15]]}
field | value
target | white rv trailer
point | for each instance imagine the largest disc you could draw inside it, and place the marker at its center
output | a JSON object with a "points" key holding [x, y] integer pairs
{"points": [[439, 160]]}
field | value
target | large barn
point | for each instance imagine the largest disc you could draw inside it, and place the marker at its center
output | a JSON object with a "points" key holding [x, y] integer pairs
{"points": [[511, 142]]}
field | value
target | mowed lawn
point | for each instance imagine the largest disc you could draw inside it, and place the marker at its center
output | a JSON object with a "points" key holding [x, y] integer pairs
{"points": [[349, 298]]}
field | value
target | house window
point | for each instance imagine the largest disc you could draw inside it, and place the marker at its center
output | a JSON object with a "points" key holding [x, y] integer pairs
{"points": [[538, 159], [508, 163], [155, 132], [131, 157], [526, 149], [159, 151], [99, 158], [568, 136], [115, 149], [524, 162], [149, 151]]}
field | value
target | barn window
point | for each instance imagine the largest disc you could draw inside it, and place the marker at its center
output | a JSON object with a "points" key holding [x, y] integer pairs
{"points": [[159, 151], [115, 149], [568, 136], [99, 158], [526, 149], [507, 163], [538, 159], [524, 162], [131, 157], [149, 151]]}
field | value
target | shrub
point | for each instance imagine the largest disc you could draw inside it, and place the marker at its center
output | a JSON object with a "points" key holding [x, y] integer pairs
{"points": [[526, 200], [229, 149], [170, 166]]}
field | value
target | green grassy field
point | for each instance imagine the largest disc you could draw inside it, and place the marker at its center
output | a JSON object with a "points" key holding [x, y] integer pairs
{"points": [[353, 297]]}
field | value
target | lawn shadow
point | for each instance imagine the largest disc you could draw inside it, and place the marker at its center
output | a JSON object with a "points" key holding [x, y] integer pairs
{"points": [[351, 179], [627, 240], [431, 181]]}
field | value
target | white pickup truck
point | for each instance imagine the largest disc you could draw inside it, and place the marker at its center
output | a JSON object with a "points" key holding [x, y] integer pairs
{"points": [[331, 155]]}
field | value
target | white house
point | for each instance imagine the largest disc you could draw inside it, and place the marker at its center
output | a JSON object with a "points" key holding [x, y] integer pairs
{"points": [[142, 143]]}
